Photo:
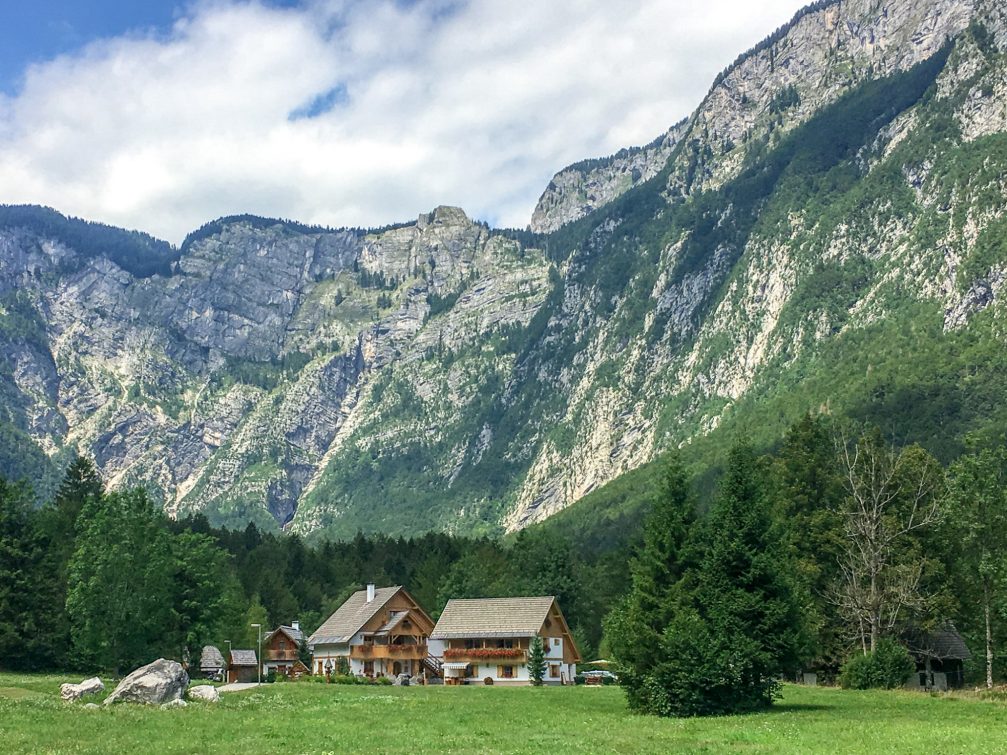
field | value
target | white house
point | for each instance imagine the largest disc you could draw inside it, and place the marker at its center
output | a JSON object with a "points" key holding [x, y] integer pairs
{"points": [[486, 640], [378, 631]]}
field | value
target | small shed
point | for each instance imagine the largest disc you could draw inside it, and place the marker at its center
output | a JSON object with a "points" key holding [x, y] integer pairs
{"points": [[211, 663], [243, 666], [940, 657]]}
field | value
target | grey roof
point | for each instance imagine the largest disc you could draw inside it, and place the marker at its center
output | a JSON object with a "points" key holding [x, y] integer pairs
{"points": [[492, 617], [211, 658], [295, 634], [351, 616], [944, 643], [243, 658], [394, 620]]}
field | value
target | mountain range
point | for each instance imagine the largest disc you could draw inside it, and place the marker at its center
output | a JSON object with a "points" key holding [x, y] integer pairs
{"points": [[826, 233]]}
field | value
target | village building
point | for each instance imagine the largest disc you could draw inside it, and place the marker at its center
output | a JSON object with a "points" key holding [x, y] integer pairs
{"points": [[486, 641], [243, 666], [281, 651], [940, 657], [211, 663], [378, 631]]}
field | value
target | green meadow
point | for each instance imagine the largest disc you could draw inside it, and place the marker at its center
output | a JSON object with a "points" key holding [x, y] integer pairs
{"points": [[316, 718]]}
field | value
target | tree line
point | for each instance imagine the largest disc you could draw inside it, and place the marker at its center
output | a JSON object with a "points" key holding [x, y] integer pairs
{"points": [[838, 553], [104, 580], [828, 547]]}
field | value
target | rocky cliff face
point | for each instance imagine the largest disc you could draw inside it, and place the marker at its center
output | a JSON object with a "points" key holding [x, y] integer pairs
{"points": [[580, 189], [826, 231]]}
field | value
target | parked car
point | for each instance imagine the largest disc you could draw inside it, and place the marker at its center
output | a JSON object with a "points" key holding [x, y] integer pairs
{"points": [[600, 677]]}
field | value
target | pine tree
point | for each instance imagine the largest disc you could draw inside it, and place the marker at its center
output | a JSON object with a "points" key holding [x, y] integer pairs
{"points": [[536, 661], [633, 630], [744, 594]]}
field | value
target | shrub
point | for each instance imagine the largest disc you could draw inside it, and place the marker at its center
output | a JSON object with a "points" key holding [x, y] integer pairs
{"points": [[887, 667]]}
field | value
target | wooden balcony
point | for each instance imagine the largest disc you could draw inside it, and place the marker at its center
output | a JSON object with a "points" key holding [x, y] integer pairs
{"points": [[499, 656], [281, 655], [393, 652]]}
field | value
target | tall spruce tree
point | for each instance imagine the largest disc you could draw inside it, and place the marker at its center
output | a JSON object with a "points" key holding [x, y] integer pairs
{"points": [[536, 661], [633, 630], [745, 592]]}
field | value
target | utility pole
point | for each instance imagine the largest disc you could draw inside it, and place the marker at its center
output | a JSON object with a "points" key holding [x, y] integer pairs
{"points": [[258, 665], [228, 661]]}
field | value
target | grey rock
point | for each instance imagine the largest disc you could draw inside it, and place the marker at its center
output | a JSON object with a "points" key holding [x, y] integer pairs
{"points": [[175, 704], [205, 693], [402, 680], [162, 681], [92, 706], [73, 692]]}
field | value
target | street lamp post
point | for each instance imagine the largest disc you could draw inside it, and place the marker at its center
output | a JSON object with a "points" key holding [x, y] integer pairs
{"points": [[258, 665]]}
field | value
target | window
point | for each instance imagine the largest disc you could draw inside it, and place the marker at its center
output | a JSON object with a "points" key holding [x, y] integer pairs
{"points": [[283, 644], [505, 643], [505, 672], [556, 642], [554, 671], [368, 668]]}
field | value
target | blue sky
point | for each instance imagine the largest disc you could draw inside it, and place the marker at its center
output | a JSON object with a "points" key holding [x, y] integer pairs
{"points": [[35, 31], [161, 115]]}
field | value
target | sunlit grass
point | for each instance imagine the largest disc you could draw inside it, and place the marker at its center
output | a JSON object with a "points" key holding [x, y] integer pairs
{"points": [[322, 718]]}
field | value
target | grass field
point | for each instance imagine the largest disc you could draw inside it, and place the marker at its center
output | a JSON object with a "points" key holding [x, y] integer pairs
{"points": [[312, 718]]}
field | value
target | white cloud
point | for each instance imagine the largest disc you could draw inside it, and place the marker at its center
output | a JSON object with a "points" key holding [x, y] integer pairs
{"points": [[412, 105]]}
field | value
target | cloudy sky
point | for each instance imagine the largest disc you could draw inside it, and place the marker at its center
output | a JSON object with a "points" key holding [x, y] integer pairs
{"points": [[161, 114]]}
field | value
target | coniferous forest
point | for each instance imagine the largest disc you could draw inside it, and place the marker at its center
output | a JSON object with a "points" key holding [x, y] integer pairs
{"points": [[834, 546]]}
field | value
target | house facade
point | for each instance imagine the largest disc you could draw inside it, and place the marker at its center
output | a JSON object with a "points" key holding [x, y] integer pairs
{"points": [[378, 631], [281, 651], [486, 641]]}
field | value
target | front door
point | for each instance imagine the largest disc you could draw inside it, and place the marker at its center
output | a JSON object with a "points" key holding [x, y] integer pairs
{"points": [[396, 668]]}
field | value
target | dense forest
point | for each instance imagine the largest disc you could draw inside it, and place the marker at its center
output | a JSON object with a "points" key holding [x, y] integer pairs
{"points": [[867, 542]]}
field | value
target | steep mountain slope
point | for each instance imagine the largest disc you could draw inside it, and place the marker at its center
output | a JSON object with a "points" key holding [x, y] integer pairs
{"points": [[827, 230]]}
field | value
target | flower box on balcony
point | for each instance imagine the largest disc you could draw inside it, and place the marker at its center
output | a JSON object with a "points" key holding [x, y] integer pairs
{"points": [[483, 653]]}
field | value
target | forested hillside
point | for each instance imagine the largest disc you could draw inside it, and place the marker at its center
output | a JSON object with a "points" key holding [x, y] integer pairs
{"points": [[824, 234]]}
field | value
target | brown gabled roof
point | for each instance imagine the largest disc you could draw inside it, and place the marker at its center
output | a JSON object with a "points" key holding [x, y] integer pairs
{"points": [[243, 658], [296, 635], [492, 617], [351, 616]]}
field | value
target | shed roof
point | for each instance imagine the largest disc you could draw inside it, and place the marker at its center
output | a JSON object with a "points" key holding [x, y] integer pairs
{"points": [[211, 658], [351, 616], [243, 658], [492, 617], [944, 643]]}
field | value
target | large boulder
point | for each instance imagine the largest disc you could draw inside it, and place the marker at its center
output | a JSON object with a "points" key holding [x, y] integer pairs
{"points": [[204, 692], [402, 680], [73, 692], [154, 684]]}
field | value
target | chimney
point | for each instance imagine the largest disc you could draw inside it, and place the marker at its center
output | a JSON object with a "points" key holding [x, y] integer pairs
{"points": [[296, 626], [370, 592]]}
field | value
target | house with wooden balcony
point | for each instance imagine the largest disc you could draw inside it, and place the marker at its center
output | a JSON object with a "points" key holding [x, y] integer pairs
{"points": [[486, 641], [281, 651], [378, 631]]}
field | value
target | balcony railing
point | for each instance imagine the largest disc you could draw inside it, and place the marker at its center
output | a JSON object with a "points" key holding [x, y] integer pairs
{"points": [[410, 652], [505, 655], [281, 655]]}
